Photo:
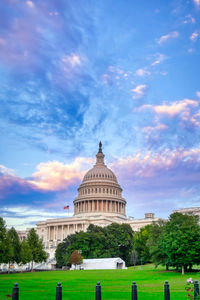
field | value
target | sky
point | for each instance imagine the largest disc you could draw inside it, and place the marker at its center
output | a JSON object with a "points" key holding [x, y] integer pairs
{"points": [[73, 73]]}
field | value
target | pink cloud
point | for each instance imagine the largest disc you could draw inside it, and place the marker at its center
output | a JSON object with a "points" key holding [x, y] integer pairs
{"points": [[197, 2], [173, 108], [55, 175], [159, 127], [183, 164], [30, 3]]}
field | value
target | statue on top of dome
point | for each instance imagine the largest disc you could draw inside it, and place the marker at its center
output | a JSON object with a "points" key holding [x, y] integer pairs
{"points": [[100, 147]]}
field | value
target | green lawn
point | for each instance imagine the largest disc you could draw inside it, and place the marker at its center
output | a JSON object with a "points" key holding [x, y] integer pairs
{"points": [[116, 284]]}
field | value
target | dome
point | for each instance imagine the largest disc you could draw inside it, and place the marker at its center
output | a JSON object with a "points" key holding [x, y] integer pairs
{"points": [[99, 191], [99, 173]]}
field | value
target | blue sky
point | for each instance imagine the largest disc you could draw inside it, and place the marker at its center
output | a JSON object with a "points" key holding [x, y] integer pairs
{"points": [[76, 72]]}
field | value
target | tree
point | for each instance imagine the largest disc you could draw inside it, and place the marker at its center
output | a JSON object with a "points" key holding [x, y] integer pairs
{"points": [[140, 244], [112, 241], [155, 246], [15, 244], [181, 240], [3, 236], [36, 246], [119, 241], [26, 253], [134, 257], [6, 249], [76, 258], [62, 255]]}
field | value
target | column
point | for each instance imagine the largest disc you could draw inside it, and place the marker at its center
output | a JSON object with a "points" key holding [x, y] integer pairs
{"points": [[84, 206], [115, 206], [53, 237], [48, 233], [62, 234]]}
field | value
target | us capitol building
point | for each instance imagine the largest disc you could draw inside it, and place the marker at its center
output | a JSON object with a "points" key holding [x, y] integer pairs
{"points": [[99, 202]]}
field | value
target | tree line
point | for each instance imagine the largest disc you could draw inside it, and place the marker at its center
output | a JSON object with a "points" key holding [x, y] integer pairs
{"points": [[13, 251], [173, 243]]}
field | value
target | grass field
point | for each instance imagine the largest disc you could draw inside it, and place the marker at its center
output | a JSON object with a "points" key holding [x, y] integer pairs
{"points": [[116, 284]]}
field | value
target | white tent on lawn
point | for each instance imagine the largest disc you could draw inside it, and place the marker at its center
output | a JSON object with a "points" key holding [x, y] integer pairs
{"points": [[101, 263]]}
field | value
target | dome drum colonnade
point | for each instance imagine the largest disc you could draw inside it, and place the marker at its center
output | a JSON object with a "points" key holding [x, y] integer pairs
{"points": [[100, 191]]}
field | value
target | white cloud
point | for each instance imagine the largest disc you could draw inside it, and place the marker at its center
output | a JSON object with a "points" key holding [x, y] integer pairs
{"points": [[158, 127], [173, 108], [189, 19], [30, 3], [139, 91], [73, 60], [6, 171], [142, 72], [197, 2], [168, 36], [22, 217], [159, 58], [198, 94], [194, 36]]}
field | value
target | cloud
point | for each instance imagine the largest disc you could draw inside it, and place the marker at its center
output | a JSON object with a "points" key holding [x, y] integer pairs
{"points": [[139, 91], [198, 94], [72, 60], [189, 19], [160, 181], [194, 36], [55, 175], [159, 127], [151, 164], [173, 108], [197, 2], [142, 72], [22, 217], [30, 3], [159, 58], [171, 35], [6, 171]]}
